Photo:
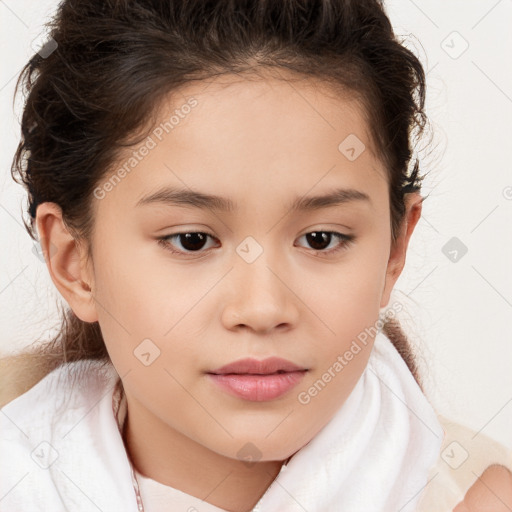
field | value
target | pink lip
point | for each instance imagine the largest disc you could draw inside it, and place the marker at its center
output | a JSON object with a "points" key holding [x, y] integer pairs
{"points": [[266, 366], [258, 388], [258, 381]]}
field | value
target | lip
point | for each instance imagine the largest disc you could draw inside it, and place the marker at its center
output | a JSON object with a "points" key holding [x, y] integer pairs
{"points": [[258, 381], [258, 388], [255, 367]]}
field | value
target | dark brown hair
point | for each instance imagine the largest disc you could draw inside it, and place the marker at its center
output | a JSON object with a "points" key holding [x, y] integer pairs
{"points": [[114, 61]]}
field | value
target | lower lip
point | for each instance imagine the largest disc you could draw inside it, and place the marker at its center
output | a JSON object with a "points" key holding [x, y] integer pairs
{"points": [[258, 388]]}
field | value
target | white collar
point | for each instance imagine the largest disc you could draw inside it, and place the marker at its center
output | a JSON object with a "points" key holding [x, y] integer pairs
{"points": [[66, 452]]}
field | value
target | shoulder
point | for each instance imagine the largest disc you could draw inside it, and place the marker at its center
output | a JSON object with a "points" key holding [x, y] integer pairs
{"points": [[491, 492], [67, 388], [468, 463], [64, 426], [51, 407], [18, 373]]}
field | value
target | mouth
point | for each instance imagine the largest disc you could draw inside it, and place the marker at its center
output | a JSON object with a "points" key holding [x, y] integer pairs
{"points": [[258, 387], [279, 372], [258, 381], [250, 366]]}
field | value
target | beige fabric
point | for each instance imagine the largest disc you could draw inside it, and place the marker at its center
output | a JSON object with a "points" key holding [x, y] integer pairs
{"points": [[18, 374], [464, 456], [157, 497]]}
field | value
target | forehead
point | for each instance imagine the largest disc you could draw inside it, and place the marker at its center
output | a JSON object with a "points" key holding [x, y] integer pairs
{"points": [[295, 108], [233, 134]]}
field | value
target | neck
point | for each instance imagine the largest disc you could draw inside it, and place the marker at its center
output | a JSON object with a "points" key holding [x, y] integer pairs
{"points": [[169, 457]]}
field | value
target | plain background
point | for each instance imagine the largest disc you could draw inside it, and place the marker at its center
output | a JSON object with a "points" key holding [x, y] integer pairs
{"points": [[458, 305]]}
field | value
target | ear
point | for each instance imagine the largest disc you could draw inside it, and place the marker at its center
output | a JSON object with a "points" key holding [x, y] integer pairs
{"points": [[66, 261], [396, 263]]}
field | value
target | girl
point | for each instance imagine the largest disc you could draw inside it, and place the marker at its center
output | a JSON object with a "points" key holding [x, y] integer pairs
{"points": [[224, 198]]}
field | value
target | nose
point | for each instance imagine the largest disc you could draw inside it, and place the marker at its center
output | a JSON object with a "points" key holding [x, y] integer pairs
{"points": [[260, 298]]}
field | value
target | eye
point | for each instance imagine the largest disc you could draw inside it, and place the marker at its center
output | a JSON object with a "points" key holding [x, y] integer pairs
{"points": [[319, 240], [194, 241], [191, 241]]}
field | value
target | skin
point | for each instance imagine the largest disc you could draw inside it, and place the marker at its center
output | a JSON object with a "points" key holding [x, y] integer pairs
{"points": [[260, 143], [491, 492]]}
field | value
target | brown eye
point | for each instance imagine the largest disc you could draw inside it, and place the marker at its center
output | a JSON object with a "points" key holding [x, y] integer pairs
{"points": [[321, 240], [190, 242]]}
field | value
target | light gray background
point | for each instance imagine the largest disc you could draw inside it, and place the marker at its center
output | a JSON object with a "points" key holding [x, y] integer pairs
{"points": [[458, 313]]}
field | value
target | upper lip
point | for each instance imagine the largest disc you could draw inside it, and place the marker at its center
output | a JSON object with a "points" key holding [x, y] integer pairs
{"points": [[253, 366]]}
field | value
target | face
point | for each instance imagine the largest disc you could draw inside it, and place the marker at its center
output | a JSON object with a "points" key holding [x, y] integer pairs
{"points": [[258, 279]]}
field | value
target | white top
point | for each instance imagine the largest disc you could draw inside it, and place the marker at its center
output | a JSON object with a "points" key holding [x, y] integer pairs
{"points": [[65, 451], [158, 497]]}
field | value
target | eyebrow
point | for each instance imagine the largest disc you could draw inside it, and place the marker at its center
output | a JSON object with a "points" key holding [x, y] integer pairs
{"points": [[186, 197]]}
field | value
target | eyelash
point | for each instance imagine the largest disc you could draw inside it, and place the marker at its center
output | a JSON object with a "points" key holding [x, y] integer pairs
{"points": [[346, 240]]}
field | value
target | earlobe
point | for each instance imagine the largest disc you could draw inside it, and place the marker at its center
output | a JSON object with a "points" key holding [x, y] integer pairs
{"points": [[65, 261], [396, 261]]}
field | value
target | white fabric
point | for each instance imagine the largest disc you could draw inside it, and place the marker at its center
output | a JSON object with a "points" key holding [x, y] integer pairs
{"points": [[61, 449]]}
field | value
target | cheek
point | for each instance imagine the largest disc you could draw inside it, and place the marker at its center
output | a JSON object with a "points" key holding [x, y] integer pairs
{"points": [[130, 286], [124, 302], [350, 298], [144, 311], [348, 305]]}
